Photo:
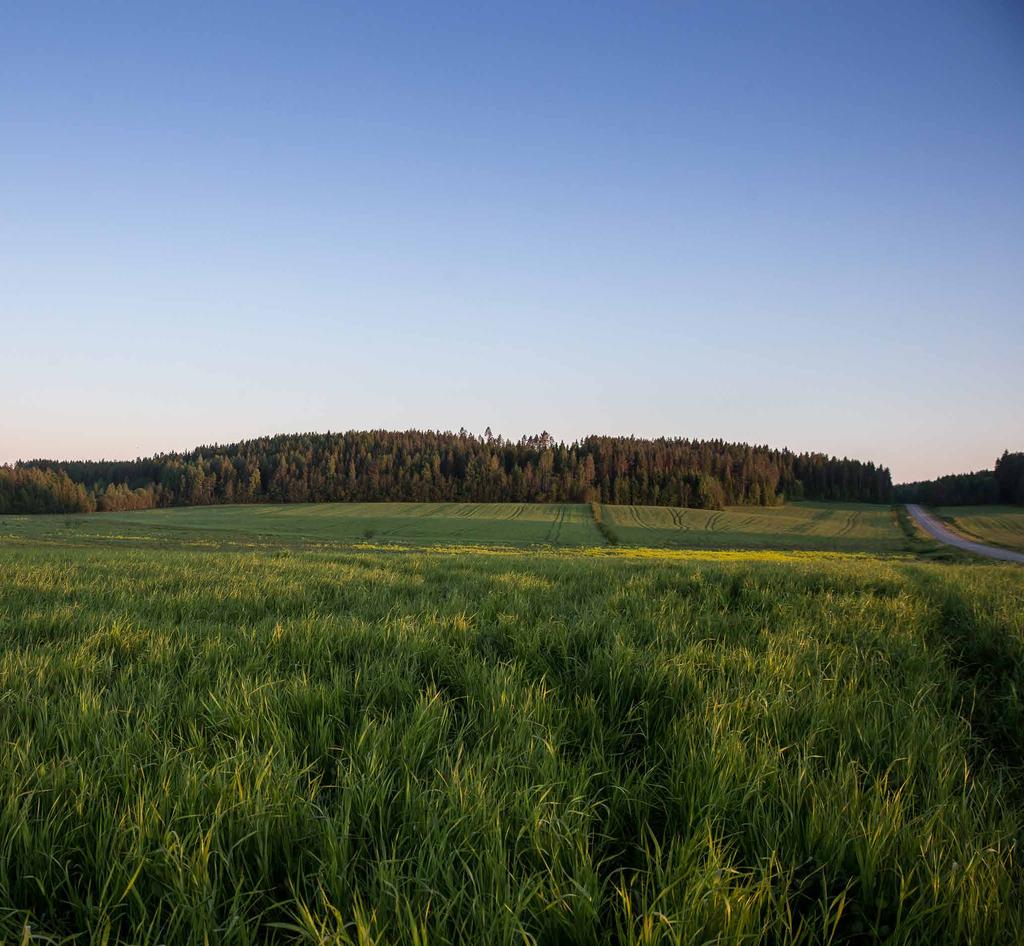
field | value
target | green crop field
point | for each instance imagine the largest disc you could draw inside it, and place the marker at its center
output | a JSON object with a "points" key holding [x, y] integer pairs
{"points": [[413, 524], [208, 743], [811, 526], [814, 526], [997, 525]]}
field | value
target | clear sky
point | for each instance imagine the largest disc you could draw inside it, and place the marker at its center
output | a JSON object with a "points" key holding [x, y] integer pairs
{"points": [[798, 224]]}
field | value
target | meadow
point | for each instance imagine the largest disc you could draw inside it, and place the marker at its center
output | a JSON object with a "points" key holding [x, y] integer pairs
{"points": [[996, 525], [209, 743], [406, 524], [806, 525], [810, 525]]}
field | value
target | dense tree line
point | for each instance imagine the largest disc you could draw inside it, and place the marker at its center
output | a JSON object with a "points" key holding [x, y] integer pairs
{"points": [[27, 489], [1004, 484], [1009, 474], [956, 489], [431, 466]]}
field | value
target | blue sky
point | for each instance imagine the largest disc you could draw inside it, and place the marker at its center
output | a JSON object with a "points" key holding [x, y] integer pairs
{"points": [[790, 223]]}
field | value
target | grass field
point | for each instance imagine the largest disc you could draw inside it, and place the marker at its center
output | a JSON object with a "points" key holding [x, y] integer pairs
{"points": [[208, 744], [996, 525], [412, 524], [812, 526], [815, 526]]}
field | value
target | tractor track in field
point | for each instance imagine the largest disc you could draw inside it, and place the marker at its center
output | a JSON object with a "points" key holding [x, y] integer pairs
{"points": [[635, 510], [808, 526], [847, 528], [555, 529]]}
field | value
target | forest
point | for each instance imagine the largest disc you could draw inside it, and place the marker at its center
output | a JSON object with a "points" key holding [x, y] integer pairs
{"points": [[1003, 484], [431, 466]]}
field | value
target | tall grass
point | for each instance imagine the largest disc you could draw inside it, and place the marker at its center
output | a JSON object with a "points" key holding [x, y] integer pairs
{"points": [[421, 748]]}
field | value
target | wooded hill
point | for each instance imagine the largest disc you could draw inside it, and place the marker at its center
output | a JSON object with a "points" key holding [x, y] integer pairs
{"points": [[424, 466]]}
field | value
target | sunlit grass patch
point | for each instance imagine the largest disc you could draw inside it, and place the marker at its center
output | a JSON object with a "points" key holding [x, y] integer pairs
{"points": [[290, 744]]}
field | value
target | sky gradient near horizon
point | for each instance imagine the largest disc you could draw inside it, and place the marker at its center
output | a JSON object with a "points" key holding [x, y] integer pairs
{"points": [[799, 224]]}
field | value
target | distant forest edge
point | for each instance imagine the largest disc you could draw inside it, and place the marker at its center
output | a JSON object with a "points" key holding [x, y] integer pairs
{"points": [[1004, 484], [429, 466]]}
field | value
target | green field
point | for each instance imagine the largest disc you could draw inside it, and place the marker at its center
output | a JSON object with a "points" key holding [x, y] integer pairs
{"points": [[209, 743], [996, 525], [811, 526], [814, 526], [411, 524]]}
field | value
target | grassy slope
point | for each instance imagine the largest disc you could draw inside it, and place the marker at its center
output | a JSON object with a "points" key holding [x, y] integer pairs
{"points": [[411, 524], [501, 748], [997, 525], [816, 526]]}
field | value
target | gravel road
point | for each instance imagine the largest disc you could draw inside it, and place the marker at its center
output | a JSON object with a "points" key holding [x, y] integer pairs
{"points": [[937, 530]]}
